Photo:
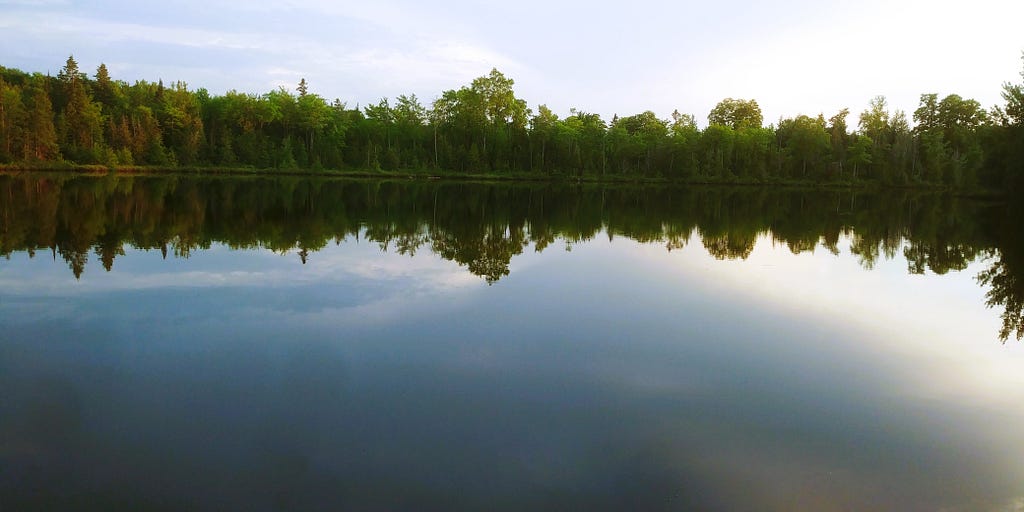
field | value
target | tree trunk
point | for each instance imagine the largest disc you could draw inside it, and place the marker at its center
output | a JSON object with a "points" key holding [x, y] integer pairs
{"points": [[543, 149]]}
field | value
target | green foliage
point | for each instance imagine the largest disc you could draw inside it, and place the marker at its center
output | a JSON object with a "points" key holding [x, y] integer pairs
{"points": [[839, 141], [716, 151], [736, 114], [39, 137], [12, 121], [860, 152], [807, 144], [949, 139], [874, 122], [286, 156], [484, 128], [79, 124]]}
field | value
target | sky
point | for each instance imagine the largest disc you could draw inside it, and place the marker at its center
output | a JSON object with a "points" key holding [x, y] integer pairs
{"points": [[793, 57]]}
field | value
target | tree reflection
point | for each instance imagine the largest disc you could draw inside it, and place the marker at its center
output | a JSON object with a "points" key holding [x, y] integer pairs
{"points": [[1006, 291], [1005, 286], [484, 226], [730, 246]]}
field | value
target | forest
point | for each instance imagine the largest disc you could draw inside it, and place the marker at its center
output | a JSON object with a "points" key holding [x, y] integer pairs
{"points": [[484, 129]]}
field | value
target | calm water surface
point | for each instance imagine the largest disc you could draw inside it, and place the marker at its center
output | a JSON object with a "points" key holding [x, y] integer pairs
{"points": [[291, 344]]}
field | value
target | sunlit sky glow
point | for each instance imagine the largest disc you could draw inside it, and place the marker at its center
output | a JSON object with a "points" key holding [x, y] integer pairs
{"points": [[621, 58]]}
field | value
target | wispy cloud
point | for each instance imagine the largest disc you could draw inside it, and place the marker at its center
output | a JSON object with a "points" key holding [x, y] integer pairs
{"points": [[120, 32], [35, 3], [406, 53]]}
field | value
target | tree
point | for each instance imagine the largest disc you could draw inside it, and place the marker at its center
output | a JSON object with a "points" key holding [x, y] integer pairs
{"points": [[875, 125], [313, 114], [619, 145], [961, 120], [499, 100], [648, 133], [39, 138], [105, 89], [480, 127], [804, 140], [568, 133], [753, 152], [874, 122], [504, 114], [181, 121], [147, 138], [81, 126], [12, 118], [717, 143], [839, 138], [1004, 141], [681, 122], [542, 128], [932, 155], [410, 118], [442, 113], [1013, 94], [860, 152], [901, 154], [683, 136], [949, 146], [381, 120], [736, 114], [590, 132], [926, 117]]}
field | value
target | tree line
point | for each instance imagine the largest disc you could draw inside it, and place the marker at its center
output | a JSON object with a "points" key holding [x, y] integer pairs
{"points": [[484, 128]]}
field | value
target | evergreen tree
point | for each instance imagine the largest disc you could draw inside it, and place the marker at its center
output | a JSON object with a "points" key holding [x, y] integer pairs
{"points": [[81, 121]]}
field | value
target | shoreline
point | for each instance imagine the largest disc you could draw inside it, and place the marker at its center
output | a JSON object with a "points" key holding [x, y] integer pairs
{"points": [[512, 177]]}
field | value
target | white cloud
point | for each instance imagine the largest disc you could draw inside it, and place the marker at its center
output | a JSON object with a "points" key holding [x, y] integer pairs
{"points": [[408, 53], [35, 3]]}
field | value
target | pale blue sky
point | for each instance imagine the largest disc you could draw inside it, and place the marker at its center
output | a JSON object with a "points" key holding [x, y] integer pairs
{"points": [[792, 57]]}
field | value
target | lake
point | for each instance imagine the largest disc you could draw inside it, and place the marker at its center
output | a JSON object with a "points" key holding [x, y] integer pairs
{"points": [[184, 343]]}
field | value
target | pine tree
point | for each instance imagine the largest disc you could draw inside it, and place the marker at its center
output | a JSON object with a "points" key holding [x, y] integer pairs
{"points": [[82, 121], [104, 87]]}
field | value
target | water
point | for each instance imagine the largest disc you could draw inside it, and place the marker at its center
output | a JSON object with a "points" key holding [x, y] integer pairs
{"points": [[293, 344]]}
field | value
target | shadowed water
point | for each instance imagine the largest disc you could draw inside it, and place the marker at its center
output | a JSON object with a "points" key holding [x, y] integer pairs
{"points": [[296, 344]]}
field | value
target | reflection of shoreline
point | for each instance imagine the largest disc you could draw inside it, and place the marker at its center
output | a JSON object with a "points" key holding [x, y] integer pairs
{"points": [[482, 226]]}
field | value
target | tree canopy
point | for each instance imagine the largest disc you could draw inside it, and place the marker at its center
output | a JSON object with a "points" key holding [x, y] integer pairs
{"points": [[484, 128]]}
